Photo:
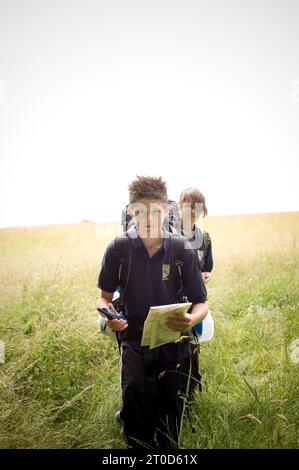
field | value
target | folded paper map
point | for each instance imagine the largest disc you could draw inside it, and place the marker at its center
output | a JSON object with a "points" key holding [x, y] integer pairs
{"points": [[155, 332]]}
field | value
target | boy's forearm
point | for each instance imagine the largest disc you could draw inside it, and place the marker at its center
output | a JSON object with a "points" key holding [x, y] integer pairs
{"points": [[199, 312], [102, 303], [104, 299], [102, 323]]}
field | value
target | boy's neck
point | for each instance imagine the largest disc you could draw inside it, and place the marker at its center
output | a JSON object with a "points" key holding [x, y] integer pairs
{"points": [[150, 242]]}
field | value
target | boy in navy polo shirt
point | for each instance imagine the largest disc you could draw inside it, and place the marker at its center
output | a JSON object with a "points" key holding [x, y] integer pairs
{"points": [[151, 380]]}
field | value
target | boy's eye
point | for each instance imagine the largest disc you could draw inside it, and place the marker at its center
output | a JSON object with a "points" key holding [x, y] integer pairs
{"points": [[140, 213], [193, 206], [155, 211]]}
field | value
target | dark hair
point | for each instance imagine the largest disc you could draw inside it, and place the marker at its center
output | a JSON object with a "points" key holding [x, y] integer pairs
{"points": [[193, 195], [147, 187]]}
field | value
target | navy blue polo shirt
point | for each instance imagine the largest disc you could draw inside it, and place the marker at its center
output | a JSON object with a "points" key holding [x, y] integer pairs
{"points": [[147, 288], [196, 242]]}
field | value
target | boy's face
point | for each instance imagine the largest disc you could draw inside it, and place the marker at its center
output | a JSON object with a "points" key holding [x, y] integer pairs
{"points": [[148, 215], [190, 212]]}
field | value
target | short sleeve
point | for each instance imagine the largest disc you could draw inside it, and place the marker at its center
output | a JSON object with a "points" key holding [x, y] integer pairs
{"points": [[192, 279], [107, 280]]}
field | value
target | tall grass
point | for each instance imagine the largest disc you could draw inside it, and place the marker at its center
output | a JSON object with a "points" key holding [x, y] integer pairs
{"points": [[59, 385]]}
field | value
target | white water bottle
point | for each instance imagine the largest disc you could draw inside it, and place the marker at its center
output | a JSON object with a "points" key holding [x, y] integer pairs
{"points": [[207, 329]]}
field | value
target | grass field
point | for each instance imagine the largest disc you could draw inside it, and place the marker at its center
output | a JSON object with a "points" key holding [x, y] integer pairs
{"points": [[59, 384]]}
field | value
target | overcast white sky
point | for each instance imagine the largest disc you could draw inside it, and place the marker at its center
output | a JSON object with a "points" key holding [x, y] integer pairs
{"points": [[204, 93]]}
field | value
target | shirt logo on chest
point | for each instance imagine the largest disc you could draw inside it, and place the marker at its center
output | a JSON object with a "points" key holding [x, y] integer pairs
{"points": [[200, 254]]}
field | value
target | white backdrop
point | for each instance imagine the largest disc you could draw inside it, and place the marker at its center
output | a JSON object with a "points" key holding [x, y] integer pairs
{"points": [[204, 93]]}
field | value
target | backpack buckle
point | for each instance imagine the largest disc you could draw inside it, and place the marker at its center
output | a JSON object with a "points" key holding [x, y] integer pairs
{"points": [[179, 264]]}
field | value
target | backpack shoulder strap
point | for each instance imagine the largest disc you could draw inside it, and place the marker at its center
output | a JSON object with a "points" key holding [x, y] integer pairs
{"points": [[178, 249], [123, 256], [178, 261]]}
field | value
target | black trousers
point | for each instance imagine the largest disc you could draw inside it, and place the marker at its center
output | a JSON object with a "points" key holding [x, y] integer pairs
{"points": [[152, 394]]}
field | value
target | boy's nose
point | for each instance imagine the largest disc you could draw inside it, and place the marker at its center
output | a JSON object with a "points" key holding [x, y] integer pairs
{"points": [[150, 217]]}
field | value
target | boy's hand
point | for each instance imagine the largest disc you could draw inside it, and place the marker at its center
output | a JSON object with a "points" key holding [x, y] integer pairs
{"points": [[206, 277], [116, 325], [180, 323]]}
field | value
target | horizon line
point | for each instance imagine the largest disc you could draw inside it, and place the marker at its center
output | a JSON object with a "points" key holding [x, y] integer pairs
{"points": [[118, 222]]}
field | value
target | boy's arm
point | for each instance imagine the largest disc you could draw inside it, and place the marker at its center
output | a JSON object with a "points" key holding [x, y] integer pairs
{"points": [[108, 282], [196, 293], [184, 322], [198, 312], [105, 301]]}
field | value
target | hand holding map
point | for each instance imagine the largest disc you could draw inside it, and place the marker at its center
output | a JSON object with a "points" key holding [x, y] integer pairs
{"points": [[155, 332]]}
